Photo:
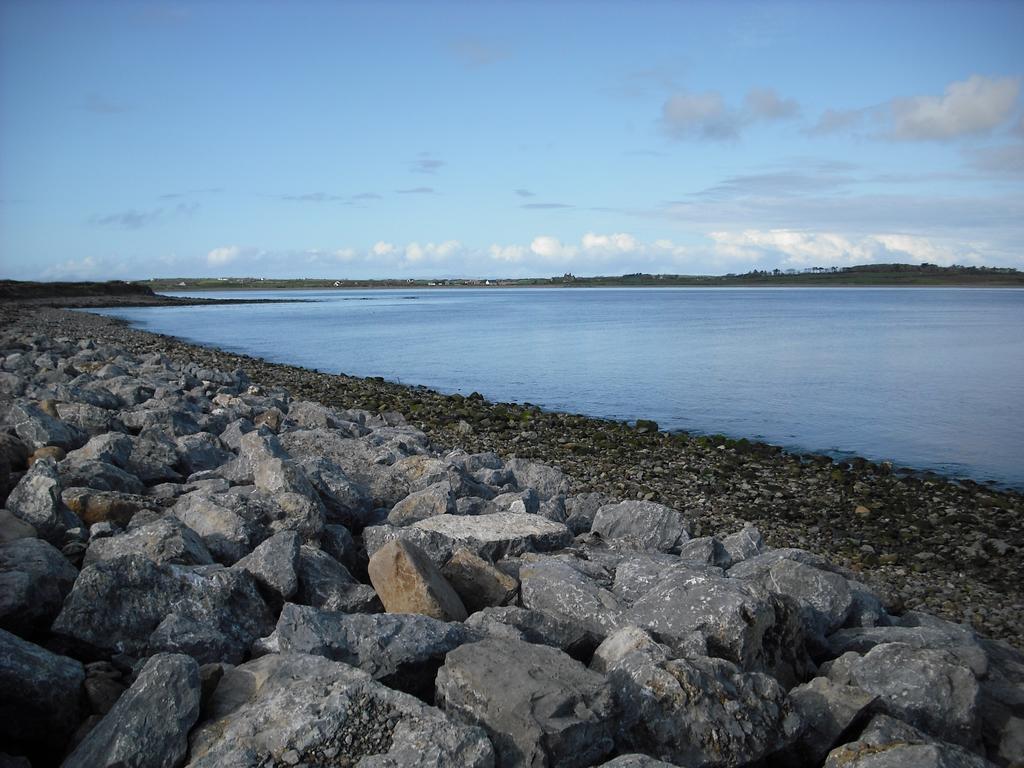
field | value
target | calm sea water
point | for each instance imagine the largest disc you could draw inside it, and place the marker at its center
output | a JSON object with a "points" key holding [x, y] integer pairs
{"points": [[927, 378]]}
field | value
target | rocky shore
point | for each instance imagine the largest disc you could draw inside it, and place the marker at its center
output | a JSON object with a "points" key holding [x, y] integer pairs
{"points": [[211, 560]]}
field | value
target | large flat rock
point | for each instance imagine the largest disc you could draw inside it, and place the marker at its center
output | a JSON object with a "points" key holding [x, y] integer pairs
{"points": [[286, 709]]}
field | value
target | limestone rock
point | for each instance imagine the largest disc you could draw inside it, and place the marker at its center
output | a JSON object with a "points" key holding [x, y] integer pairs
{"points": [[960, 641], [93, 506], [755, 629], [12, 528], [98, 475], [478, 583], [36, 500], [113, 448], [116, 605], [37, 428], [34, 580], [539, 706], [403, 651], [560, 590], [216, 518], [547, 481], [644, 524], [201, 451], [905, 680], [436, 499], [166, 540], [744, 544], [275, 565], [829, 712], [500, 534], [511, 621], [825, 598], [39, 706], [149, 724], [889, 743], [408, 582], [294, 708], [326, 583], [701, 712]]}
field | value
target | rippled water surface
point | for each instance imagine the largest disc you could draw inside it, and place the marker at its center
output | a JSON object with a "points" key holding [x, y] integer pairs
{"points": [[927, 378]]}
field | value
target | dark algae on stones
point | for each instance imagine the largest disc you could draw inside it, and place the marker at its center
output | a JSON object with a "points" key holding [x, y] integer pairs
{"points": [[211, 560]]}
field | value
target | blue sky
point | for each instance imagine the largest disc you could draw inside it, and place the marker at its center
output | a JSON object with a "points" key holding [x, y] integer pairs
{"points": [[500, 139]]}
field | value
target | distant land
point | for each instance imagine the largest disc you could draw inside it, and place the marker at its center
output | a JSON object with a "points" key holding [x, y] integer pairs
{"points": [[868, 275]]}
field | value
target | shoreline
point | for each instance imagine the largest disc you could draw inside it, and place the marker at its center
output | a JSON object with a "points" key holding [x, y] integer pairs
{"points": [[922, 541]]}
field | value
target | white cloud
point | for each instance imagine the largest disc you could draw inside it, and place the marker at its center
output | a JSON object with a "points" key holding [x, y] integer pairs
{"points": [[224, 255], [972, 106], [707, 116], [699, 115], [383, 249], [801, 249], [764, 103], [548, 247]]}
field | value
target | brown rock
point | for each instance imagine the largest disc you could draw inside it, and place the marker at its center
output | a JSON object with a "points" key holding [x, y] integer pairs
{"points": [[104, 506], [270, 418], [408, 582], [49, 407], [47, 452], [477, 582]]}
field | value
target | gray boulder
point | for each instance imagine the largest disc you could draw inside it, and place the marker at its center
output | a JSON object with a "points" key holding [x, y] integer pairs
{"points": [[166, 540], [539, 706], [275, 565], [116, 605], [154, 458], [437, 546], [830, 713], [201, 451], [954, 638], [39, 708], [36, 500], [889, 743], [219, 520], [98, 475], [326, 583], [498, 535], [403, 651], [434, 500], [292, 708], [344, 501], [644, 525], [37, 428], [530, 626], [700, 712], [757, 630], [581, 509], [744, 544], [637, 574], [547, 481], [825, 598], [34, 580], [557, 589], [149, 724], [113, 448], [905, 680], [707, 550]]}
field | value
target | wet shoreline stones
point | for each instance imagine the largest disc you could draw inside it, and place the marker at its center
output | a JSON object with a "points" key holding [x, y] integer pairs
{"points": [[190, 531]]}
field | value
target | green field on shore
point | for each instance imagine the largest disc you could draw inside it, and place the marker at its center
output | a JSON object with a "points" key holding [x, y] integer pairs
{"points": [[874, 275]]}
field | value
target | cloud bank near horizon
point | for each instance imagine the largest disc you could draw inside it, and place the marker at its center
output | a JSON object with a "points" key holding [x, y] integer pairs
{"points": [[592, 254]]}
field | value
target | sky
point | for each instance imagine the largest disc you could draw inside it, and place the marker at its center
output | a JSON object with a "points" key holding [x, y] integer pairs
{"points": [[503, 139]]}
